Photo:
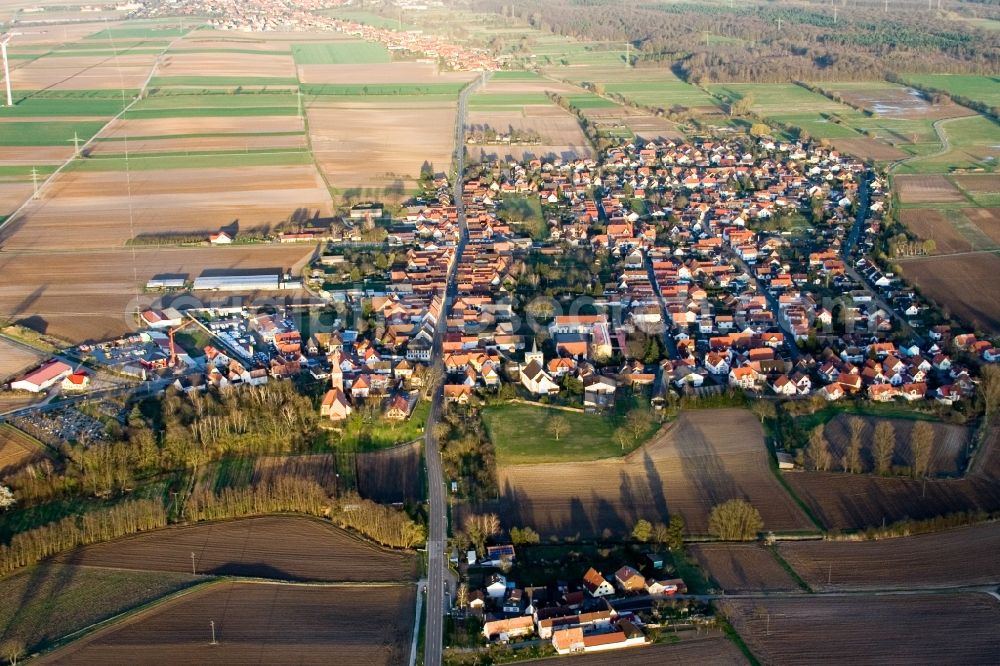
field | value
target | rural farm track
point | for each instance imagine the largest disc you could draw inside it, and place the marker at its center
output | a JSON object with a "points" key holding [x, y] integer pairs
{"points": [[942, 138]]}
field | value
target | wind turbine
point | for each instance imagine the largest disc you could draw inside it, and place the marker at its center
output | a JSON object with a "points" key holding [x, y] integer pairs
{"points": [[6, 68]]}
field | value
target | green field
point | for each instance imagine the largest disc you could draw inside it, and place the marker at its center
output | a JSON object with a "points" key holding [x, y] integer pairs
{"points": [[218, 160], [382, 89], [512, 75], [974, 141], [520, 435], [367, 18], [341, 53], [377, 433], [49, 601], [589, 101], [204, 103], [47, 133], [649, 86], [47, 106], [152, 32], [220, 81], [547, 49], [985, 89]]}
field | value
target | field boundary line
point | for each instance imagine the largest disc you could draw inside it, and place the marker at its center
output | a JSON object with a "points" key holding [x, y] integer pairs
{"points": [[564, 408]]}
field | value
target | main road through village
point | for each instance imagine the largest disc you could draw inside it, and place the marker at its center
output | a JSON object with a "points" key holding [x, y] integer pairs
{"points": [[438, 576]]}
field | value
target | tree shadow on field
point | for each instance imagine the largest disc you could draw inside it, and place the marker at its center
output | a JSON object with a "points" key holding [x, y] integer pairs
{"points": [[253, 570], [655, 482], [700, 464], [39, 600]]}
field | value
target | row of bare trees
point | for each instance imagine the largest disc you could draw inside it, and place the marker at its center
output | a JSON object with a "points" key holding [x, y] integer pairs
{"points": [[278, 494], [380, 523], [100, 525], [918, 450]]}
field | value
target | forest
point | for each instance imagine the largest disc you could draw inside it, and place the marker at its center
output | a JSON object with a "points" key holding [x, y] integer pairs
{"points": [[771, 42]]}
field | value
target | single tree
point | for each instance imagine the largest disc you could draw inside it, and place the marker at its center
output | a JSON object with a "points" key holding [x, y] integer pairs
{"points": [[558, 426], [642, 531], [921, 444], [735, 520], [524, 535], [852, 457], [13, 649], [883, 446], [676, 530], [462, 596], [818, 451], [763, 409]]}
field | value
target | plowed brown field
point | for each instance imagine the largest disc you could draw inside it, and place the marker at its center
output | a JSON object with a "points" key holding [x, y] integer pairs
{"points": [[869, 149], [381, 148], [150, 127], [101, 209], [743, 568], [259, 624], [84, 73], [278, 547], [958, 557], [14, 359], [948, 456], [924, 189], [391, 475], [986, 220], [709, 648], [412, 73], [857, 501], [17, 450], [910, 629], [704, 459], [968, 285], [559, 131], [931, 224], [227, 64]]}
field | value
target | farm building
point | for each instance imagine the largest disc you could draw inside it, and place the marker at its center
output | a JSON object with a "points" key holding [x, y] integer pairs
{"points": [[262, 281], [166, 283], [43, 377]]}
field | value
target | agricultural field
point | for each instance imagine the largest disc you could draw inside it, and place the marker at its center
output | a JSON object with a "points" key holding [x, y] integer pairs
{"points": [[892, 100], [405, 76], [105, 209], [984, 89], [972, 142], [740, 568], [377, 149], [859, 501], [275, 547], [354, 52], [521, 105], [546, 49], [925, 189], [15, 359], [259, 623], [947, 457], [986, 221], [931, 223], [929, 628], [655, 87], [703, 459], [50, 600], [17, 449], [706, 648], [103, 71], [190, 68], [91, 300], [964, 556], [946, 280], [391, 475]]}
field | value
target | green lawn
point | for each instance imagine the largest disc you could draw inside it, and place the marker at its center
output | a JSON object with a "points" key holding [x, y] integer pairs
{"points": [[974, 143], [381, 433], [47, 133], [589, 101], [520, 435], [341, 53]]}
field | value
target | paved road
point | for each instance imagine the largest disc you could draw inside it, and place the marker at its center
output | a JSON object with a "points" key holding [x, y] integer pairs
{"points": [[438, 575]]}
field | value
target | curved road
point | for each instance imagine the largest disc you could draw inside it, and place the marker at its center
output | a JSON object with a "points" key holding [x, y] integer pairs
{"points": [[438, 575]]}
